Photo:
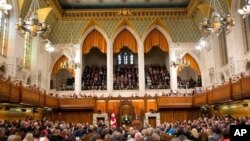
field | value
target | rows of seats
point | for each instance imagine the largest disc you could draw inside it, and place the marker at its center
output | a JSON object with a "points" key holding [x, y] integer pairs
{"points": [[188, 84], [125, 77], [69, 85], [157, 77], [94, 78]]}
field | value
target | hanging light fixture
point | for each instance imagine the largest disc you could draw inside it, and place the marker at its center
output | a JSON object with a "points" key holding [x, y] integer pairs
{"points": [[4, 6], [216, 18], [49, 47], [245, 11], [180, 61], [31, 23]]}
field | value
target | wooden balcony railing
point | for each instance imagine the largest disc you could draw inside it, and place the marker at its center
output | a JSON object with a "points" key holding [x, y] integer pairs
{"points": [[236, 90], [245, 86], [30, 96], [221, 94], [16, 93], [4, 91], [51, 101], [77, 103], [174, 102], [200, 100]]}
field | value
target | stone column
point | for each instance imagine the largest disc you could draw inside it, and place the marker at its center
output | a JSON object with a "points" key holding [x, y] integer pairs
{"points": [[15, 41], [109, 67], [141, 69], [173, 70], [78, 70]]}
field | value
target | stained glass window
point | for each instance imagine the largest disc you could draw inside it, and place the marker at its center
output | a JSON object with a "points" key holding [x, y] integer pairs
{"points": [[125, 58], [27, 51], [3, 33], [247, 32], [223, 47], [131, 58]]}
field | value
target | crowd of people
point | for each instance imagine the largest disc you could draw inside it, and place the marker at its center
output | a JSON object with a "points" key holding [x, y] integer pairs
{"points": [[201, 129], [68, 85], [125, 77], [94, 78], [157, 77], [188, 84]]}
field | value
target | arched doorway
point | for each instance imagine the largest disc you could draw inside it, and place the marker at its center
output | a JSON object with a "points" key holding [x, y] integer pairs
{"points": [[189, 76], [125, 58], [94, 60], [62, 76], [156, 60]]}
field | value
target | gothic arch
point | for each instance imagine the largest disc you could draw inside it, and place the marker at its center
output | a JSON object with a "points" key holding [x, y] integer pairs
{"points": [[193, 62], [57, 66], [161, 29], [94, 40], [155, 38], [90, 29], [130, 31]]}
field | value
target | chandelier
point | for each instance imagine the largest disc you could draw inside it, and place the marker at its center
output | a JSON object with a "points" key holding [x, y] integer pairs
{"points": [[31, 23], [245, 11], [4, 6], [181, 63], [216, 18]]}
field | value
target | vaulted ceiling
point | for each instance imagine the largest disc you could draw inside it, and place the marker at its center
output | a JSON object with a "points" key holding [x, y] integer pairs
{"points": [[180, 18]]}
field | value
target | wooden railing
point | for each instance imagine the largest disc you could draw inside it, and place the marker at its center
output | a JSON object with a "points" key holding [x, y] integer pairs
{"points": [[77, 103], [4, 91], [200, 100], [30, 96], [16, 93], [245, 86], [51, 101], [174, 102]]}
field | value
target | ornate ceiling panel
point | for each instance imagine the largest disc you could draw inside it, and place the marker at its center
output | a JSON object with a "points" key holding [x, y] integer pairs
{"points": [[181, 23], [100, 4], [182, 30], [65, 31]]}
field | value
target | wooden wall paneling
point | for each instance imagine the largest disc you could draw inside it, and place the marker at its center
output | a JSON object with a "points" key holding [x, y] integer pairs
{"points": [[138, 106], [73, 116], [151, 104], [245, 86], [42, 99], [210, 97], [222, 93], [51, 101], [77, 103], [101, 105], [200, 100], [180, 114], [4, 91], [236, 90], [15, 94], [30, 96], [114, 106], [174, 102]]}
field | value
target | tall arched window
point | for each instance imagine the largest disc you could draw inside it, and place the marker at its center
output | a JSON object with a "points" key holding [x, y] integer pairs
{"points": [[125, 58], [3, 31]]}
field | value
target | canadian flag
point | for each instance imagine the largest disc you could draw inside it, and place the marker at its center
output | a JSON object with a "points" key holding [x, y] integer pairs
{"points": [[113, 120]]}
